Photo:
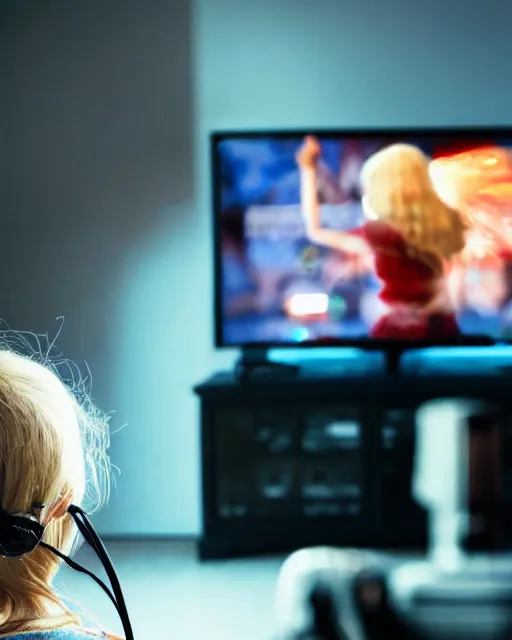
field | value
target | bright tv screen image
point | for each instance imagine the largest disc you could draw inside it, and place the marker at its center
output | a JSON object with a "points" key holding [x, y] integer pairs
{"points": [[331, 237]]}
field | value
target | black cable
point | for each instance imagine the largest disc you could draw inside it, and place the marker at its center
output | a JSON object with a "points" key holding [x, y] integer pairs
{"points": [[87, 530], [78, 567], [22, 533]]}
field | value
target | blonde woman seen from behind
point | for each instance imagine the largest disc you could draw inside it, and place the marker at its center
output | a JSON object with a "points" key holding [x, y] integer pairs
{"points": [[411, 233], [49, 442]]}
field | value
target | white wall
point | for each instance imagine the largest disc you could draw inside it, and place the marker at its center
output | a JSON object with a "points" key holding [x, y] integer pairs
{"points": [[97, 198], [104, 112]]}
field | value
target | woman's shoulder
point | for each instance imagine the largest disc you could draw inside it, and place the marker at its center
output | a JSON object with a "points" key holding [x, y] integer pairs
{"points": [[64, 634], [89, 625], [60, 634], [85, 627], [380, 234]]}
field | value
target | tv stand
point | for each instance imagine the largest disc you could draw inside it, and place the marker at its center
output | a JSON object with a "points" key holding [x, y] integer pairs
{"points": [[393, 353], [392, 362], [323, 460], [255, 364]]}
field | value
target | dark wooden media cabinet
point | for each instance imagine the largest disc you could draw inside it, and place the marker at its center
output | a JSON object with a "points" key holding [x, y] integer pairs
{"points": [[316, 458]]}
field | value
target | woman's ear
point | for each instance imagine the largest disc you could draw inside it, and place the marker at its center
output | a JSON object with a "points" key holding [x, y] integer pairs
{"points": [[59, 508]]}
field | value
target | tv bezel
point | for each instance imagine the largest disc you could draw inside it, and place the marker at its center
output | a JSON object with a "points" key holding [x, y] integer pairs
{"points": [[394, 134]]}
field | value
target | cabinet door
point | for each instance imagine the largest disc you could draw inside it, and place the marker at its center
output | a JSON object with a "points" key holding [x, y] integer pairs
{"points": [[289, 462], [506, 448], [331, 462], [399, 513], [255, 451]]}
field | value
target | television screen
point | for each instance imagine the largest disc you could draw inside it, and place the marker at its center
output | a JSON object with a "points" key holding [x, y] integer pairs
{"points": [[342, 237]]}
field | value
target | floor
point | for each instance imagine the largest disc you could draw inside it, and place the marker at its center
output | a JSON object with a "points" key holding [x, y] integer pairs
{"points": [[171, 596]]}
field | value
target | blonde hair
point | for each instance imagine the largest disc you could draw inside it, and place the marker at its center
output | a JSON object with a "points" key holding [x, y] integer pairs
{"points": [[398, 190], [53, 441]]}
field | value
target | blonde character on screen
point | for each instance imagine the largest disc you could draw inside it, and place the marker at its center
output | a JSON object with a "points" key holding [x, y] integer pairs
{"points": [[412, 235]]}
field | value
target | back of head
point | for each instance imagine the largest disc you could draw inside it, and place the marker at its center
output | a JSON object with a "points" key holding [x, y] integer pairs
{"points": [[399, 169], [399, 190], [48, 441]]}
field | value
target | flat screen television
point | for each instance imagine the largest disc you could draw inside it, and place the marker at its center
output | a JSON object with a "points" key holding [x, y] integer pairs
{"points": [[362, 238]]}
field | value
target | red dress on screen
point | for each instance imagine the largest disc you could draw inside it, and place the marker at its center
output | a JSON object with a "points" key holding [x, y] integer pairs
{"points": [[408, 284]]}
